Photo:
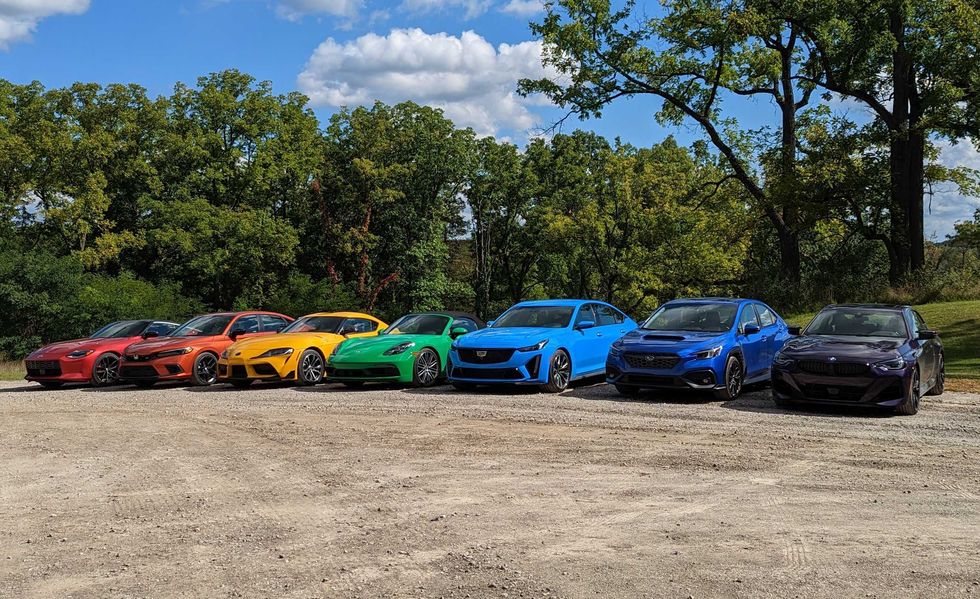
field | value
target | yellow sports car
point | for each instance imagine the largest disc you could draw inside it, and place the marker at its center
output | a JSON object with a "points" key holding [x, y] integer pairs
{"points": [[298, 353]]}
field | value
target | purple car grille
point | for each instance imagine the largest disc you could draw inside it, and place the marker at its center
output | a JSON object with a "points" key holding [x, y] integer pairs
{"points": [[833, 368]]}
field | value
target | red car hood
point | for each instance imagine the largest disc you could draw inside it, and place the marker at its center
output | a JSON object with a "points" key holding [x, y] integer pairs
{"points": [[152, 346], [63, 348]]}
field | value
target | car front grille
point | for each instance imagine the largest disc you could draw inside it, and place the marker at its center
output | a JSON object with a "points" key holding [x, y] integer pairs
{"points": [[500, 374], [43, 368], [138, 372], [652, 361], [264, 369], [239, 372], [832, 368], [372, 372], [485, 356], [834, 392]]}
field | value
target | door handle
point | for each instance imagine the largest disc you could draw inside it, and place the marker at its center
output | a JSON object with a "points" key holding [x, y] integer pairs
{"points": [[598, 334]]}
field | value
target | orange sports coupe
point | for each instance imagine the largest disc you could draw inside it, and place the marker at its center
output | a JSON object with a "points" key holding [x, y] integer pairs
{"points": [[191, 352]]}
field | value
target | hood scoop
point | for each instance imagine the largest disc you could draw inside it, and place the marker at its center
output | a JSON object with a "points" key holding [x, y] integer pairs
{"points": [[663, 338]]}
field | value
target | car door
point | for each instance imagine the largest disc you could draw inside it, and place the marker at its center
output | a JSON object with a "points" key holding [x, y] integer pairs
{"points": [[752, 344], [929, 361], [589, 351], [769, 330]]}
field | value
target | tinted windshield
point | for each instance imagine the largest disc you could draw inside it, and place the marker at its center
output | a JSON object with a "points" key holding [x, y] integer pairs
{"points": [[418, 324], [123, 328], [213, 324], [858, 323], [315, 324], [709, 318], [552, 317]]}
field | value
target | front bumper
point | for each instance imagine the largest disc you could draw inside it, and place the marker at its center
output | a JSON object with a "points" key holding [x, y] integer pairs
{"points": [[886, 389], [65, 370], [507, 366], [398, 370], [176, 368], [275, 368], [667, 371]]}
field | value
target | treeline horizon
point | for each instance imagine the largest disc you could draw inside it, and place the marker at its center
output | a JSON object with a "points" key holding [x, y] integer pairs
{"points": [[224, 195]]}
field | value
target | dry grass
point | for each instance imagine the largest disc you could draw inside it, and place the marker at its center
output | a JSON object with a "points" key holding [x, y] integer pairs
{"points": [[11, 371]]}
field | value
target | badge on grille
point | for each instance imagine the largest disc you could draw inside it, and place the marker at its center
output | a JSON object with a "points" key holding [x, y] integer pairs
{"points": [[833, 359], [651, 358], [481, 354]]}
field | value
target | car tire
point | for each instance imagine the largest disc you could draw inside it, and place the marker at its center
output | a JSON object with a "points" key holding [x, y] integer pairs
{"points": [[559, 373], [939, 387], [242, 383], [910, 406], [426, 369], [311, 367], [51, 384], [353, 384], [734, 379], [628, 390], [205, 369], [105, 370], [462, 386], [144, 384]]}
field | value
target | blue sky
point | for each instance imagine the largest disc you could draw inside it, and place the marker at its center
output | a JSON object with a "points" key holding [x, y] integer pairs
{"points": [[460, 55]]}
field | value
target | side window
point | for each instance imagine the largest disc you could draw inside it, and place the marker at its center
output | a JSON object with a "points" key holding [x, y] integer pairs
{"points": [[766, 316], [607, 315], [161, 328], [273, 323], [585, 313], [359, 325], [918, 323], [747, 317], [246, 324], [467, 323]]}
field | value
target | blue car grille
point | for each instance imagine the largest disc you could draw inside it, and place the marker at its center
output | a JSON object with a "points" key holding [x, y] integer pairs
{"points": [[485, 356], [652, 361], [502, 374], [832, 368]]}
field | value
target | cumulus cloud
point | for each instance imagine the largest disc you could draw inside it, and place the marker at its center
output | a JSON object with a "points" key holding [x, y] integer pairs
{"points": [[19, 18], [523, 8], [948, 206], [466, 76], [295, 10]]}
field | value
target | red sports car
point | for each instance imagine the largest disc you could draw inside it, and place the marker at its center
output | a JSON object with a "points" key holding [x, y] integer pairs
{"points": [[94, 359], [191, 352]]}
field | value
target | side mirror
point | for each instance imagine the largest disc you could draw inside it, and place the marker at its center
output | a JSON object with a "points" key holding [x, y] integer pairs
{"points": [[585, 324], [750, 329], [236, 333], [794, 330], [150, 335], [457, 332], [345, 332], [490, 323], [926, 334]]}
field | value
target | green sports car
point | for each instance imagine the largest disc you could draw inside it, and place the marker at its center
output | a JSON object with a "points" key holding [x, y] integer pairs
{"points": [[412, 350]]}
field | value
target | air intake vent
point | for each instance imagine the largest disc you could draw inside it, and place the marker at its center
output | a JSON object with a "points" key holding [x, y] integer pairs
{"points": [[662, 338]]}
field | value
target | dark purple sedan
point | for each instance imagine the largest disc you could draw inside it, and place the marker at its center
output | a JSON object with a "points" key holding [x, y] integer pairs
{"points": [[865, 355]]}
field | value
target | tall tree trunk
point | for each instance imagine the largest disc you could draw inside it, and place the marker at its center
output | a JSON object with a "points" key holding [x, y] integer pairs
{"points": [[788, 233]]}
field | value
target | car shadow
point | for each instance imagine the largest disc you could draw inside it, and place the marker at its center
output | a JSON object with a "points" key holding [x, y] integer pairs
{"points": [[764, 404], [34, 388], [226, 387], [130, 388]]}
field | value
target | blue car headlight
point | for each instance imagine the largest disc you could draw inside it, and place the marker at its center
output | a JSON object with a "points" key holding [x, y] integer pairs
{"points": [[535, 347], [616, 348], [400, 348], [893, 364], [709, 353]]}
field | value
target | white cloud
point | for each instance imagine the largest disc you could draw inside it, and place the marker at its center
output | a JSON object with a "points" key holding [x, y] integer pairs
{"points": [[19, 18], [473, 82], [948, 206], [472, 8], [295, 10], [523, 8]]}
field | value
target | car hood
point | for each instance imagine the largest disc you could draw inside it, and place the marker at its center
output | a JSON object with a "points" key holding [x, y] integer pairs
{"points": [[63, 348], [373, 347], [671, 341], [507, 337], [854, 348], [152, 346], [297, 341]]}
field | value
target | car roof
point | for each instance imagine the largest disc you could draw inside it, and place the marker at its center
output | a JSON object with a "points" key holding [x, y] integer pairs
{"points": [[558, 302], [344, 315], [896, 307], [712, 300], [453, 314]]}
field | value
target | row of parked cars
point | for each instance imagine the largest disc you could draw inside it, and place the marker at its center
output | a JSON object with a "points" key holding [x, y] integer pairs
{"points": [[878, 355]]}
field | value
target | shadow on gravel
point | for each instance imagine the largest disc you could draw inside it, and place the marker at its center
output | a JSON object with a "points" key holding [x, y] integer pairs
{"points": [[764, 404], [131, 388], [33, 388], [329, 387], [223, 388]]}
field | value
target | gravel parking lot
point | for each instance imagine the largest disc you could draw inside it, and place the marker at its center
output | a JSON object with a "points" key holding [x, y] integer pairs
{"points": [[326, 492]]}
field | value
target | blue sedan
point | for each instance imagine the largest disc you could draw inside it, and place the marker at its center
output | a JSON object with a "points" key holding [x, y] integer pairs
{"points": [[548, 343], [717, 344]]}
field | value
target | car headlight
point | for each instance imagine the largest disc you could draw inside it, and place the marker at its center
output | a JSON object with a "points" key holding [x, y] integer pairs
{"points": [[279, 351], [400, 348], [224, 355], [782, 359], [709, 353], [535, 347], [893, 364], [79, 353], [454, 345], [616, 348], [175, 352]]}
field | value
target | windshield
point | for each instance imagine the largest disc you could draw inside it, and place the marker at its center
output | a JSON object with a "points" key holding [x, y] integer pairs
{"points": [[858, 323], [418, 324], [123, 328], [707, 318], [552, 317], [213, 324], [315, 324]]}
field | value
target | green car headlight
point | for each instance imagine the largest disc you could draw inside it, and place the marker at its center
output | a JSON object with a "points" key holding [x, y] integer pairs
{"points": [[279, 351], [400, 348]]}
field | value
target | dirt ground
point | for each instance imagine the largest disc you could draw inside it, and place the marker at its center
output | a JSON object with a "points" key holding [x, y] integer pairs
{"points": [[325, 492]]}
